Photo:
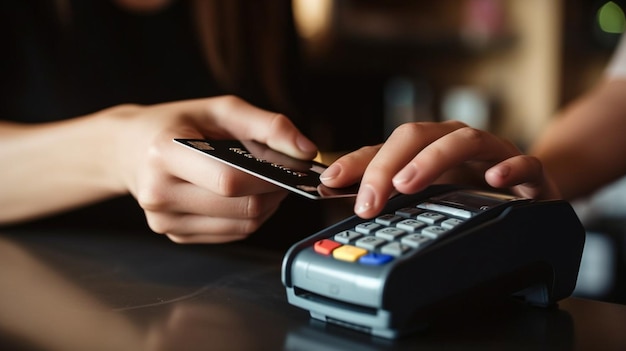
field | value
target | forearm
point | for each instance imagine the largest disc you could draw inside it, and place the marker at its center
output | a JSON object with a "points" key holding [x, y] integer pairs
{"points": [[582, 149], [53, 167]]}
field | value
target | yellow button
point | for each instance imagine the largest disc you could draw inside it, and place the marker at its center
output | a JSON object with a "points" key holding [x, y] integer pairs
{"points": [[348, 253]]}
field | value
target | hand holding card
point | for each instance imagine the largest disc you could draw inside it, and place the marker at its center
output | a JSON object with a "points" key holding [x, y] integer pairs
{"points": [[298, 176]]}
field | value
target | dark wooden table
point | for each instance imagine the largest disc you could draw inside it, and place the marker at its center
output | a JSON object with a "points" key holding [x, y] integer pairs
{"points": [[139, 291]]}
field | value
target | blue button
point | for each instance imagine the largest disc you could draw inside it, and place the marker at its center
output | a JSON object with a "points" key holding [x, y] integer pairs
{"points": [[375, 259]]}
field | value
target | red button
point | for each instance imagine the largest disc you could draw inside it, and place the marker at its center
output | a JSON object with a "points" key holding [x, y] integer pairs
{"points": [[325, 246]]}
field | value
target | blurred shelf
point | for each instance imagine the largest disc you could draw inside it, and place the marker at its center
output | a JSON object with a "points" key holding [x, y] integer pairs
{"points": [[402, 54]]}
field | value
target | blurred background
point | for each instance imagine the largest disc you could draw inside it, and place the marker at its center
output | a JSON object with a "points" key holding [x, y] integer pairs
{"points": [[502, 65]]}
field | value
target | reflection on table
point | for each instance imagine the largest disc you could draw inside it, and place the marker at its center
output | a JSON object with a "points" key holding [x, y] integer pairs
{"points": [[79, 291]]}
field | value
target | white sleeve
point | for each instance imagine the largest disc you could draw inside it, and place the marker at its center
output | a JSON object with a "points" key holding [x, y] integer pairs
{"points": [[617, 65]]}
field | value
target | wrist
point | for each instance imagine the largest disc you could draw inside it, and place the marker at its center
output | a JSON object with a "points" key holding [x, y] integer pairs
{"points": [[100, 137]]}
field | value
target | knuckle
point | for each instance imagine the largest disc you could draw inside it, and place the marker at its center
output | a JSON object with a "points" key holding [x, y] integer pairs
{"points": [[279, 121], [178, 239], [249, 226], [152, 192], [369, 149], [152, 197], [229, 102], [253, 207], [456, 124], [152, 200], [155, 153], [533, 162], [226, 184], [279, 125], [123, 110], [510, 145], [159, 224], [155, 156], [364, 152], [472, 134], [409, 129]]}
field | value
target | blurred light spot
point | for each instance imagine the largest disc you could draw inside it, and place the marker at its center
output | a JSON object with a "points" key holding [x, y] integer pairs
{"points": [[312, 17], [611, 18], [468, 105], [596, 274]]}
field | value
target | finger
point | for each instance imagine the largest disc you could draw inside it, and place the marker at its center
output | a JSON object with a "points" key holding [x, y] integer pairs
{"points": [[244, 121], [348, 169], [200, 229], [167, 157], [449, 151], [190, 228], [230, 117], [400, 148], [198, 225], [184, 197], [205, 238], [377, 164], [525, 175], [195, 228]]}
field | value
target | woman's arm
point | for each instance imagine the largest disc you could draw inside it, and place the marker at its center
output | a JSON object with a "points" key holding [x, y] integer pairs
{"points": [[57, 166], [129, 149], [584, 147]]}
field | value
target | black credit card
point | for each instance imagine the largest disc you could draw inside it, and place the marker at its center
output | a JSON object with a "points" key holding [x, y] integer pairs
{"points": [[299, 176]]}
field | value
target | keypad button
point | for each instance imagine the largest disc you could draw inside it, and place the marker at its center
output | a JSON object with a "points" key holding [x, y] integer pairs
{"points": [[370, 242], [409, 212], [395, 248], [451, 223], [388, 219], [375, 259], [411, 225], [325, 246], [346, 236], [348, 253], [431, 217], [434, 231], [390, 233], [367, 227], [415, 240]]}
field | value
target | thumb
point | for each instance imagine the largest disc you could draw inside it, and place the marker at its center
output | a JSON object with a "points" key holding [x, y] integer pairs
{"points": [[241, 120]]}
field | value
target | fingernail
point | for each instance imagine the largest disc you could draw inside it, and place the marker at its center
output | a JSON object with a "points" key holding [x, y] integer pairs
{"points": [[306, 145], [331, 172], [365, 200], [405, 175], [502, 171]]}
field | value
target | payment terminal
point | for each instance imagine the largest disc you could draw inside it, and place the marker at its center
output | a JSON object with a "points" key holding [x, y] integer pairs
{"points": [[389, 275]]}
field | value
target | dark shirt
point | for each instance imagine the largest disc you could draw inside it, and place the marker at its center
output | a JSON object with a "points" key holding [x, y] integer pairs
{"points": [[101, 57]]}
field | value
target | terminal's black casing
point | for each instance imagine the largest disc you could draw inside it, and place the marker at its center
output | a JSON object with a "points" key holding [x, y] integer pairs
{"points": [[529, 249]]}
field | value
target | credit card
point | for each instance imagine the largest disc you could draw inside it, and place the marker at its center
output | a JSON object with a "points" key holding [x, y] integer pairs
{"points": [[299, 176]]}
